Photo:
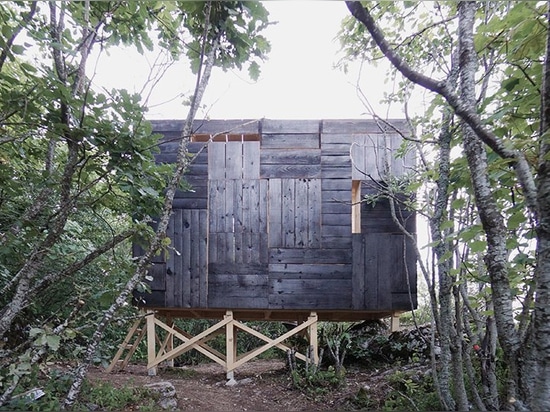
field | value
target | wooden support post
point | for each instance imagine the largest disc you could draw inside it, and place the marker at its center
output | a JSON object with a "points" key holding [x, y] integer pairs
{"points": [[394, 323], [313, 340], [151, 344], [230, 346], [170, 341]]}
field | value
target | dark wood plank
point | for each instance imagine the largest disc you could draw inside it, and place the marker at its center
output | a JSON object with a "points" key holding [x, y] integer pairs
{"points": [[177, 243], [203, 258], [309, 256], [336, 242], [287, 271], [335, 172], [275, 213], [270, 126], [251, 160], [314, 213], [358, 272], [217, 272], [170, 265], [386, 269], [271, 171], [288, 217], [371, 254], [187, 233], [362, 126], [290, 141], [216, 161], [336, 184], [290, 156]]}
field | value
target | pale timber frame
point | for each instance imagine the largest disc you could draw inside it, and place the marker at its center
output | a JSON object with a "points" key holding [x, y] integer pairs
{"points": [[176, 342]]}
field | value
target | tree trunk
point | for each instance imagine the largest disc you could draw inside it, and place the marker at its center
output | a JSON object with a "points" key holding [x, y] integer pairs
{"points": [[541, 394], [144, 262]]}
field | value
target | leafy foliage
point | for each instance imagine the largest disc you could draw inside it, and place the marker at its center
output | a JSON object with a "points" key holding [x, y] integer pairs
{"points": [[78, 178]]}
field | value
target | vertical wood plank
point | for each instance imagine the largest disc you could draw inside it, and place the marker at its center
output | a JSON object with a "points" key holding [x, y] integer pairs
{"points": [[228, 206], [186, 258], [238, 206], [203, 258], [178, 257], [233, 160], [263, 205], [195, 258], [301, 214], [386, 269], [371, 274], [216, 161], [275, 213], [288, 214], [251, 160], [314, 213], [358, 272], [170, 267]]}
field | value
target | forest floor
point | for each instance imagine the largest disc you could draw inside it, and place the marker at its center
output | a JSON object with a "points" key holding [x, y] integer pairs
{"points": [[262, 385]]}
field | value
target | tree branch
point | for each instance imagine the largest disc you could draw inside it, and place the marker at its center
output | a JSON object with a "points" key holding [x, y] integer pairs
{"points": [[516, 158]]}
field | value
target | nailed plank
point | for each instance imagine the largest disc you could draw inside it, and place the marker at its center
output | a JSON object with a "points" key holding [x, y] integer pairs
{"points": [[371, 255], [290, 156], [220, 271], [342, 161], [288, 217], [203, 247], [336, 219], [275, 213], [271, 126], [190, 203], [314, 213], [362, 126], [290, 141], [301, 215], [309, 256], [251, 160], [358, 272], [336, 184], [336, 242], [216, 161], [233, 160], [287, 271], [271, 171], [335, 172]]}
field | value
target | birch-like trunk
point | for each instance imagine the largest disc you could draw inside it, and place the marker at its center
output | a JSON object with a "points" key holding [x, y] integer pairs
{"points": [[144, 262], [492, 220], [541, 394]]}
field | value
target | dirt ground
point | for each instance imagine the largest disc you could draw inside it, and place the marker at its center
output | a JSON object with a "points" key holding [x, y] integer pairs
{"points": [[263, 385]]}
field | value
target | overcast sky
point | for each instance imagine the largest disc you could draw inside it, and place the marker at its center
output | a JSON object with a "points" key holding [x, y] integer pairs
{"points": [[298, 81]]}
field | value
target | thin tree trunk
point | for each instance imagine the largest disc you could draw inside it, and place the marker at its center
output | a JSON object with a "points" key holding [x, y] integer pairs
{"points": [[144, 262], [491, 219], [541, 394]]}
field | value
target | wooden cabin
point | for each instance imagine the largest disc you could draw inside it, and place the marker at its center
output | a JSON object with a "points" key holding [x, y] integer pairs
{"points": [[273, 223], [274, 228]]}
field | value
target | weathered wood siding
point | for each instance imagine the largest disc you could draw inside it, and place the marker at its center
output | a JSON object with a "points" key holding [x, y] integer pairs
{"points": [[267, 224]]}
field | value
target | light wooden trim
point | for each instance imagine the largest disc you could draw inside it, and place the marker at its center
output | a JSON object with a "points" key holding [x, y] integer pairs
{"points": [[356, 206]]}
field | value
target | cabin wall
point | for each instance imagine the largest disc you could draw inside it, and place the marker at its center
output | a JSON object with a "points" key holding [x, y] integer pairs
{"points": [[268, 223]]}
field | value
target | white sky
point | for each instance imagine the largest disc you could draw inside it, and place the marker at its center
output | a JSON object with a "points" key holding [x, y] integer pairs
{"points": [[298, 80]]}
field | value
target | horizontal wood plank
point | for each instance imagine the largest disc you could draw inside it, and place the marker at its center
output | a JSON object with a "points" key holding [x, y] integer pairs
{"points": [[290, 141], [308, 256]]}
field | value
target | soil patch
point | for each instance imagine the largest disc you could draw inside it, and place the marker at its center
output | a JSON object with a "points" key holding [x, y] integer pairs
{"points": [[262, 385]]}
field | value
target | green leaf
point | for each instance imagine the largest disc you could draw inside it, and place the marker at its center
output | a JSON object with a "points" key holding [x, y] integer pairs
{"points": [[53, 342], [254, 71], [478, 246]]}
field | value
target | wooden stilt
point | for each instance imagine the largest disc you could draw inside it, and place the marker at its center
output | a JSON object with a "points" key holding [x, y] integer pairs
{"points": [[394, 322], [170, 341], [313, 340], [230, 346], [151, 345]]}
